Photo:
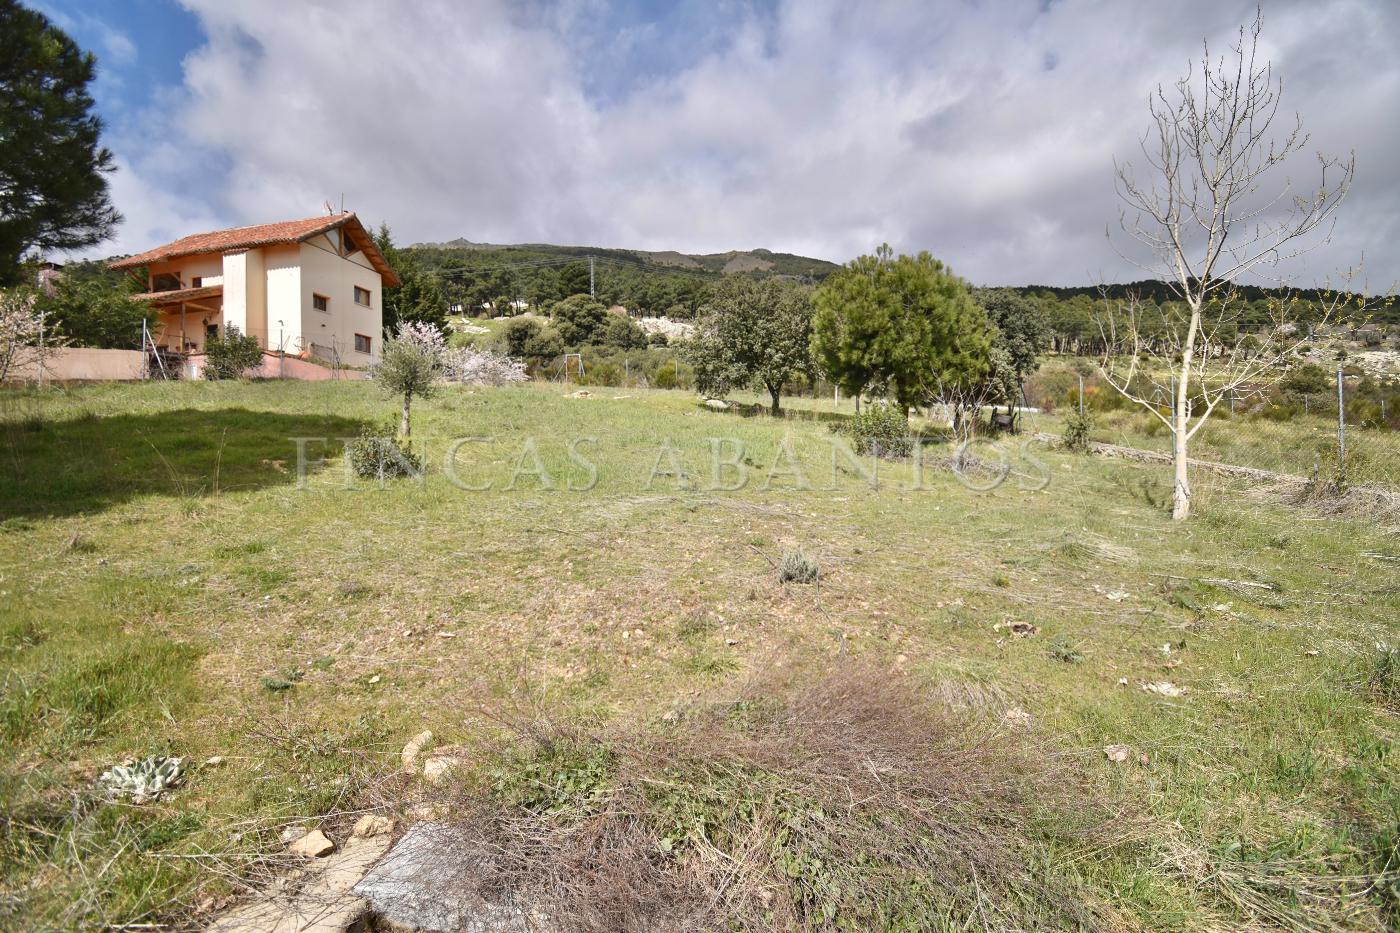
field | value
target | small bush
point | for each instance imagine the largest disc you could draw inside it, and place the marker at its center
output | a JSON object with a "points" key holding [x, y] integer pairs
{"points": [[797, 567], [1077, 429], [379, 454], [622, 332], [1063, 649], [666, 375], [1308, 379], [231, 355], [882, 431]]}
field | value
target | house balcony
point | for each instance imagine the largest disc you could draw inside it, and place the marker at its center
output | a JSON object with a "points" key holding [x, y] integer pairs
{"points": [[185, 317]]}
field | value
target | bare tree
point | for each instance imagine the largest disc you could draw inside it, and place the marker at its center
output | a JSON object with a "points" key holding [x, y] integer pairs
{"points": [[1205, 218], [24, 349]]}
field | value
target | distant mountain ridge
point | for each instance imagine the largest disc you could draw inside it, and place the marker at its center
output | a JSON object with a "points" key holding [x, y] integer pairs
{"points": [[727, 263]]}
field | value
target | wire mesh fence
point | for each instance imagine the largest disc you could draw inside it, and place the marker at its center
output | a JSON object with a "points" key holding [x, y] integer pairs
{"points": [[1334, 426]]}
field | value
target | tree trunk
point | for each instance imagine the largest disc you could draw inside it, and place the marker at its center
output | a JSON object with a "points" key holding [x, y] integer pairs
{"points": [[776, 393], [1181, 488], [404, 425]]}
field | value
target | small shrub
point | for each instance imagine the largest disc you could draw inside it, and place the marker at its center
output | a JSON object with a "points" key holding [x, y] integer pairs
{"points": [[882, 431], [378, 454], [1308, 379], [284, 680], [666, 375], [797, 567], [1063, 649], [519, 333], [232, 355], [1077, 429]]}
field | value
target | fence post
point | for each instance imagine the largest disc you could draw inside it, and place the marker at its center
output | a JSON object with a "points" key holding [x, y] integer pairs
{"points": [[1081, 396], [1341, 429]]}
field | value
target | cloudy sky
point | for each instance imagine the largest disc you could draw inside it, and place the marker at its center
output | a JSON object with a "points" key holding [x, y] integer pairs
{"points": [[982, 130]]}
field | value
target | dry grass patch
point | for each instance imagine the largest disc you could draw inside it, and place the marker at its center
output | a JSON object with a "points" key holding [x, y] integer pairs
{"points": [[848, 803]]}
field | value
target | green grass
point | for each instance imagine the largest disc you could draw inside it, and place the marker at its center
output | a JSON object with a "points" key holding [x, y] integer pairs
{"points": [[159, 565]]}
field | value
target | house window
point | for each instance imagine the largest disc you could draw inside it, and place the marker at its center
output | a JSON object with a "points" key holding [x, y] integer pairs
{"points": [[361, 296], [197, 282], [211, 332], [165, 282], [361, 343], [320, 302]]}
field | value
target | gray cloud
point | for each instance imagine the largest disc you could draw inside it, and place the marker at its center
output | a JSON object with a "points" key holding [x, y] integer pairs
{"points": [[983, 132]]}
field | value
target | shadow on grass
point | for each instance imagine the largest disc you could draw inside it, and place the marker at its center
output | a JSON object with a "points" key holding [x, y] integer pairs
{"points": [[757, 410], [91, 463], [926, 433]]}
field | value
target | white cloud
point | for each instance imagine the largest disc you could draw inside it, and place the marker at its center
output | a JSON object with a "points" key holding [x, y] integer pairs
{"points": [[983, 132]]}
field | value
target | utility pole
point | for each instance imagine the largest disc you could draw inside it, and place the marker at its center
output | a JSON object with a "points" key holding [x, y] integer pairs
{"points": [[591, 292]]}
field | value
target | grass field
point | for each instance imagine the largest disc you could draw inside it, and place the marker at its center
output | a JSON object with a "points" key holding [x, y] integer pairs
{"points": [[169, 584]]}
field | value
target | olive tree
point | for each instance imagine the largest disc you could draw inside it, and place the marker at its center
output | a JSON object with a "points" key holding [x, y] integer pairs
{"points": [[409, 365]]}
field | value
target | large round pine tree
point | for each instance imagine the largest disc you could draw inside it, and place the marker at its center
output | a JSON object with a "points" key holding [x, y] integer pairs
{"points": [[53, 184]]}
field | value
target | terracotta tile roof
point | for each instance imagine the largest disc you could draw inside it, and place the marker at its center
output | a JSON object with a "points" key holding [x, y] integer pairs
{"points": [[180, 294], [243, 238]]}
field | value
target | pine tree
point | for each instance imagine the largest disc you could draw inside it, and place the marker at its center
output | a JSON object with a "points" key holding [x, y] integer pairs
{"points": [[906, 327], [53, 185]]}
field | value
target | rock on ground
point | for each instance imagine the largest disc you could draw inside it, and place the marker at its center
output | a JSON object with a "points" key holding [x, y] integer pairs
{"points": [[372, 824], [443, 762], [318, 899], [425, 883], [411, 751], [312, 845]]}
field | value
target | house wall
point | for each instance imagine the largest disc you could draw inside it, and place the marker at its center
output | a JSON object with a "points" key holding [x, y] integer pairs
{"points": [[282, 265], [324, 272], [236, 281], [208, 267], [84, 364]]}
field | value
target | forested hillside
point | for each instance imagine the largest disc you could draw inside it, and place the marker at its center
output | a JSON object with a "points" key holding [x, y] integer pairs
{"points": [[489, 279], [474, 275]]}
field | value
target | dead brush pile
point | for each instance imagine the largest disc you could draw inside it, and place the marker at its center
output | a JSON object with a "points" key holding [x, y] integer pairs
{"points": [[849, 804]]}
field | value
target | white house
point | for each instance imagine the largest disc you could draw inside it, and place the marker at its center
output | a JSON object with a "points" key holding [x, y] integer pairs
{"points": [[311, 288]]}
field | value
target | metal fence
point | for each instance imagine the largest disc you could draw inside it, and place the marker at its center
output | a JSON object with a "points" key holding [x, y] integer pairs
{"points": [[1344, 429]]}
